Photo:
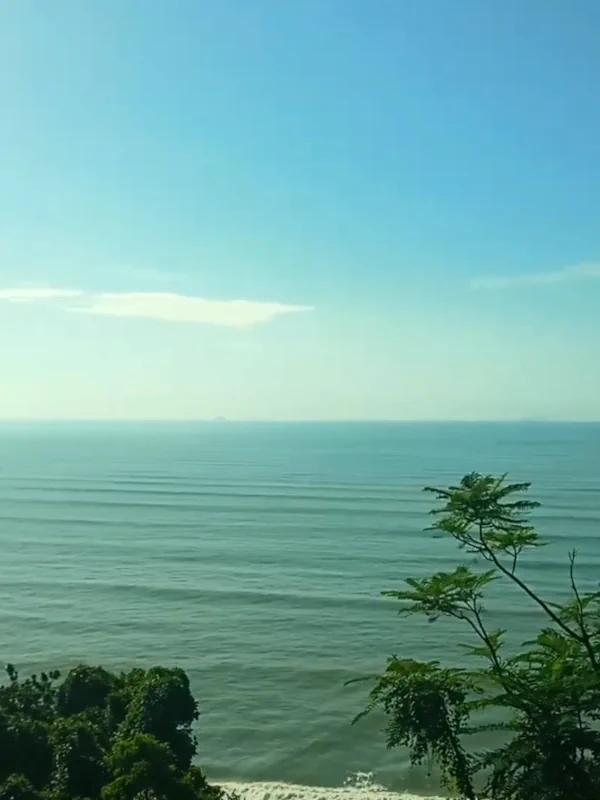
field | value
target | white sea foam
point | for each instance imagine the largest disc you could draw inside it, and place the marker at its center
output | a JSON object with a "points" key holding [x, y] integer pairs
{"points": [[360, 786]]}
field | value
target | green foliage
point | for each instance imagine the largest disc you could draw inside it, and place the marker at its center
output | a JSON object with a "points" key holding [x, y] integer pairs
{"points": [[17, 787], [547, 697], [161, 704], [83, 689], [99, 736], [428, 711], [79, 749], [142, 767]]}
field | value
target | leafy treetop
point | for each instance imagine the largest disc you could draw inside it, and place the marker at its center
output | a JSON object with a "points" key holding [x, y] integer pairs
{"points": [[547, 696], [100, 736]]}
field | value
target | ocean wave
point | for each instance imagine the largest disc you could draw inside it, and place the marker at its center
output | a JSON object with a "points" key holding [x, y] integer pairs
{"points": [[360, 786], [290, 791]]}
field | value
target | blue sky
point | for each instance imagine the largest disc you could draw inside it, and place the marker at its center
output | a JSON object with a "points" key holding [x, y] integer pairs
{"points": [[313, 209]]}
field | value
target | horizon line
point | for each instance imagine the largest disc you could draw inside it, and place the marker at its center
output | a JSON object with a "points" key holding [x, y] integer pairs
{"points": [[297, 421]]}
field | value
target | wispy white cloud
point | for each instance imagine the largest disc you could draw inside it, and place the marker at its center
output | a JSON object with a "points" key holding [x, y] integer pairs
{"points": [[578, 272], [165, 306], [31, 294], [182, 308]]}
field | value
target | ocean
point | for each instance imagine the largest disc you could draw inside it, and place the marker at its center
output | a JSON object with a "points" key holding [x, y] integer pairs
{"points": [[253, 556]]}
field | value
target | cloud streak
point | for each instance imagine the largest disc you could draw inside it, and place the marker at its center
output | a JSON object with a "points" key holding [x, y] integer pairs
{"points": [[578, 272], [164, 306], [32, 294]]}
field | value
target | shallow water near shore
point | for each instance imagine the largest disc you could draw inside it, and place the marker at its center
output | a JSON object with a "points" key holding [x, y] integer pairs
{"points": [[363, 789], [253, 555]]}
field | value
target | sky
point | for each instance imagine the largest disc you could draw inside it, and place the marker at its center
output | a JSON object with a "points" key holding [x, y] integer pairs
{"points": [[313, 209]]}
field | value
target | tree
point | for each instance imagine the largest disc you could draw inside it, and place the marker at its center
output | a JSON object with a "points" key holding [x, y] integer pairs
{"points": [[159, 702], [547, 695], [17, 787], [100, 736], [143, 768], [80, 746]]}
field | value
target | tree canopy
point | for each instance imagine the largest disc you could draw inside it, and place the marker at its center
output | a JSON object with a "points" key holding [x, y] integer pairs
{"points": [[100, 736], [546, 696]]}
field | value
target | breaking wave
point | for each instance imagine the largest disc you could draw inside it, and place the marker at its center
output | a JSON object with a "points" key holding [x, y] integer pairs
{"points": [[360, 786]]}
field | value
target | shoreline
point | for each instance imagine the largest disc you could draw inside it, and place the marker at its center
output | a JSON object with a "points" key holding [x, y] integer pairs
{"points": [[277, 790]]}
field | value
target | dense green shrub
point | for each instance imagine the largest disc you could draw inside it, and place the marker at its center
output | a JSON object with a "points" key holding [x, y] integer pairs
{"points": [[100, 736]]}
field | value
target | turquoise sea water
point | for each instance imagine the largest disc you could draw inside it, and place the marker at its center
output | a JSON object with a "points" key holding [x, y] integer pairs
{"points": [[253, 556]]}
